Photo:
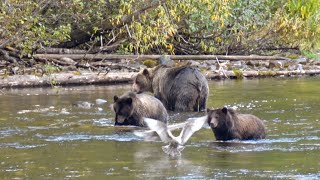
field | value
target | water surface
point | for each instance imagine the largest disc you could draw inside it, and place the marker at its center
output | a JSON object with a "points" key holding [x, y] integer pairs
{"points": [[64, 133]]}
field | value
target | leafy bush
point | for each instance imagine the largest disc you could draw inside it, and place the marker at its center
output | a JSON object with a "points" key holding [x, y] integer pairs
{"points": [[162, 27]]}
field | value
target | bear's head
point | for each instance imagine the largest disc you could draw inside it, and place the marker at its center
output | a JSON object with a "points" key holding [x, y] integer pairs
{"points": [[142, 82], [123, 107], [220, 118]]}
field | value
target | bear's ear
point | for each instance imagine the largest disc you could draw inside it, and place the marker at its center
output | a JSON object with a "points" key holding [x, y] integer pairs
{"points": [[145, 72], [208, 110], [129, 101], [115, 98], [225, 110]]}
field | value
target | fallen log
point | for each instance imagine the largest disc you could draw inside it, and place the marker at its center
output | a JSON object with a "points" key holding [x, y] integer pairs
{"points": [[249, 74], [60, 51], [155, 57], [63, 79]]}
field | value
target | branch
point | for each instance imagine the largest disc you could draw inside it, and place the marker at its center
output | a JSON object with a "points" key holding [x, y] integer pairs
{"points": [[7, 57], [80, 36]]}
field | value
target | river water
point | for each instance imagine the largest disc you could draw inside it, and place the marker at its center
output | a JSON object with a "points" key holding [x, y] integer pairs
{"points": [[68, 133]]}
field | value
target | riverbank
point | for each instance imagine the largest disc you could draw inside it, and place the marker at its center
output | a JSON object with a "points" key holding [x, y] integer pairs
{"points": [[66, 71]]}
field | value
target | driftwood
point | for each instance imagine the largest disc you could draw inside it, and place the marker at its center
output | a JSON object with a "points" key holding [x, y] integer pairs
{"points": [[60, 51], [65, 79], [94, 65], [156, 57], [248, 74]]}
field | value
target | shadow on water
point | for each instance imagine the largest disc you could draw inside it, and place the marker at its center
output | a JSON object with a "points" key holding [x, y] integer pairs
{"points": [[69, 133]]}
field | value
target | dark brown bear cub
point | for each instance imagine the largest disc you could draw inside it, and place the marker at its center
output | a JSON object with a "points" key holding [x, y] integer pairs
{"points": [[130, 108], [182, 88], [227, 124]]}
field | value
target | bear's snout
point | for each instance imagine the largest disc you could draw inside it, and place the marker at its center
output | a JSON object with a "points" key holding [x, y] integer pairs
{"points": [[213, 122], [135, 88], [120, 119]]}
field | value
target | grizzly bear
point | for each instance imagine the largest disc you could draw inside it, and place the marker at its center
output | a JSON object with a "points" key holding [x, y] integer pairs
{"points": [[181, 88], [227, 124], [131, 108]]}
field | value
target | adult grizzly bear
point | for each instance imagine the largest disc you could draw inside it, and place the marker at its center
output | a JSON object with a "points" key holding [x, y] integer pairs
{"points": [[130, 108], [227, 124], [182, 88]]}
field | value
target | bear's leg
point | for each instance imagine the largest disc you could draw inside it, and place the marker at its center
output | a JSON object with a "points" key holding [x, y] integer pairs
{"points": [[202, 103], [187, 102]]}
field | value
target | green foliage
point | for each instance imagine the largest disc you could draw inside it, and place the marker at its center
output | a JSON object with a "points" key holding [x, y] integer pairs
{"points": [[297, 24], [149, 63], [50, 69], [164, 27], [238, 73], [28, 25], [267, 73], [292, 56], [310, 55]]}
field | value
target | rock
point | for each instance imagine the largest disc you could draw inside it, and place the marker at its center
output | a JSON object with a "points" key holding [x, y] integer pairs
{"points": [[264, 63], [290, 65], [101, 101], [193, 63], [165, 60], [300, 67], [212, 68], [83, 104], [252, 63], [68, 60], [275, 64], [237, 64], [302, 60], [210, 62]]}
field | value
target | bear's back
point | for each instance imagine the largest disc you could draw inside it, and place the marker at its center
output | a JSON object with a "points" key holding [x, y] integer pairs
{"points": [[151, 107], [181, 88], [250, 126]]}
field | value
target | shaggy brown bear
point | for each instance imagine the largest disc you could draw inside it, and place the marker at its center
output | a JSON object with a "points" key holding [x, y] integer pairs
{"points": [[227, 124], [130, 108], [182, 88]]}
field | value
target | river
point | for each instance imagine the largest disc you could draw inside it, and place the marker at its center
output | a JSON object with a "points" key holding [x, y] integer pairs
{"points": [[68, 133]]}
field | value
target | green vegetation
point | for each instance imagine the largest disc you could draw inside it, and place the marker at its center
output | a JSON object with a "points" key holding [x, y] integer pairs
{"points": [[50, 69], [238, 73], [267, 73], [160, 27], [149, 63], [310, 55]]}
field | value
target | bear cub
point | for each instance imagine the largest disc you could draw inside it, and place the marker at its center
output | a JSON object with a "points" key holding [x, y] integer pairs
{"points": [[227, 124], [130, 108], [182, 88]]}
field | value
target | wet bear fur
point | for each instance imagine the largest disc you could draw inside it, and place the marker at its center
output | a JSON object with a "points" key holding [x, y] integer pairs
{"points": [[181, 88], [227, 124], [130, 108]]}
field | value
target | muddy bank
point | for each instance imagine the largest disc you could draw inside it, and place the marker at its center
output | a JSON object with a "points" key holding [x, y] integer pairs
{"points": [[66, 71]]}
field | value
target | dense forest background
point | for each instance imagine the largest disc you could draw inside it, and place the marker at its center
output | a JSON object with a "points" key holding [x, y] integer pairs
{"points": [[159, 26]]}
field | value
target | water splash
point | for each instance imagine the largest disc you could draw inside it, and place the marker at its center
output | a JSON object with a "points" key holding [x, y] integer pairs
{"points": [[20, 146], [86, 137]]}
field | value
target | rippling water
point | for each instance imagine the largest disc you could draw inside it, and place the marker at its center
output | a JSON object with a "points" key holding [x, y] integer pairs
{"points": [[68, 133]]}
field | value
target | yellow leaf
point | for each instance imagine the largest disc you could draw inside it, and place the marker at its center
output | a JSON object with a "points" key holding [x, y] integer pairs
{"points": [[77, 73]]}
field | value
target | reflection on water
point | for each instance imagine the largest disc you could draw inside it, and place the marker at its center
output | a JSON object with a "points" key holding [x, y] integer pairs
{"points": [[68, 133]]}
